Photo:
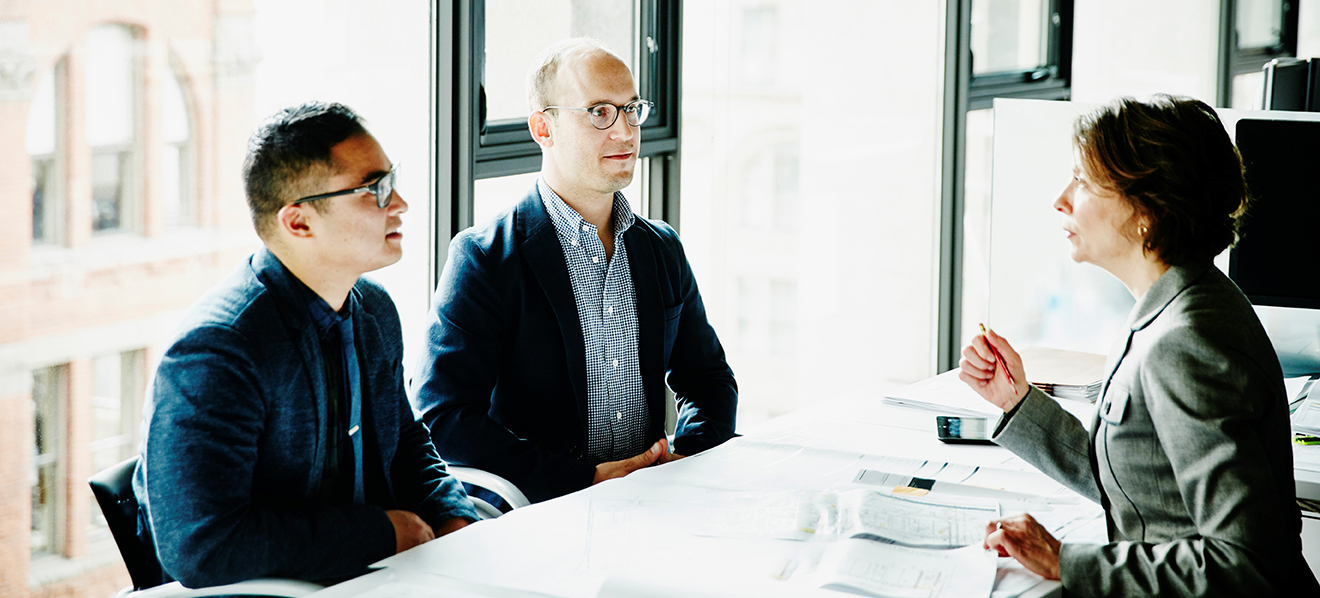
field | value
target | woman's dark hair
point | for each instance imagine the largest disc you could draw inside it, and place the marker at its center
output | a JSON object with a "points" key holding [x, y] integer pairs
{"points": [[1172, 161]]}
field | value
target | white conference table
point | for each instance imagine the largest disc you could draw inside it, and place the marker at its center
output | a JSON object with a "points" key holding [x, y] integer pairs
{"points": [[691, 527]]}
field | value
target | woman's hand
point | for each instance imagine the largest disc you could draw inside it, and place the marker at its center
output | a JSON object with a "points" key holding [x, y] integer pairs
{"points": [[981, 372], [1025, 540]]}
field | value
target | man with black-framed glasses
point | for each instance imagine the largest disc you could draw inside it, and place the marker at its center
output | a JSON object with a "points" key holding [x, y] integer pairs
{"points": [[278, 439], [557, 325]]}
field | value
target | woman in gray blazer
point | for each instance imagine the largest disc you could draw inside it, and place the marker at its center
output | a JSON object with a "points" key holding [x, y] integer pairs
{"points": [[1189, 452]]}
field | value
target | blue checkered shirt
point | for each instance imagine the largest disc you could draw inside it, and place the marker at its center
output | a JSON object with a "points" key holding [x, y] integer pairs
{"points": [[617, 414]]}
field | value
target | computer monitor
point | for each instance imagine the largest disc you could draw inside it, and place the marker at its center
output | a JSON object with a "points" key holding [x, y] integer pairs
{"points": [[1277, 259]]}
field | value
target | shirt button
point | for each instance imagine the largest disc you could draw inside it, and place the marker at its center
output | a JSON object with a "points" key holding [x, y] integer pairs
{"points": [[586, 228], [575, 242], [609, 310], [595, 260], [616, 363], [618, 415]]}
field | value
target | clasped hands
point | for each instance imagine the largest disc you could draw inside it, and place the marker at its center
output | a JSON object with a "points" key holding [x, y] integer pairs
{"points": [[657, 454]]}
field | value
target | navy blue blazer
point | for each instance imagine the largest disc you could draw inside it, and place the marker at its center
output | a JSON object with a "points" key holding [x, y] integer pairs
{"points": [[233, 442], [503, 380]]}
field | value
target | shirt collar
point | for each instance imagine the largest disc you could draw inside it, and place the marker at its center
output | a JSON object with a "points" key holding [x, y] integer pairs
{"points": [[569, 223], [323, 317]]}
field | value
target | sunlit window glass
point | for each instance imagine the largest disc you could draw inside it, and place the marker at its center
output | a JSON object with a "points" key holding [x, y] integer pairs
{"points": [[114, 414], [1009, 35], [176, 156], [111, 90], [42, 134], [47, 392], [517, 31], [1259, 23]]}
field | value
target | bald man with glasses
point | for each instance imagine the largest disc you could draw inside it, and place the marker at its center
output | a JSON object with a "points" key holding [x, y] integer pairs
{"points": [[278, 439], [557, 326]]}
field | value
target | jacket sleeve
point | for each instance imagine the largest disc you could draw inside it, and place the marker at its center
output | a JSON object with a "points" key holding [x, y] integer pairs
{"points": [[1052, 440], [1204, 401], [457, 374], [206, 417], [698, 373]]}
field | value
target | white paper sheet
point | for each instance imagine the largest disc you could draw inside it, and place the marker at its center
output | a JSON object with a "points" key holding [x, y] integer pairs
{"points": [[899, 572]]}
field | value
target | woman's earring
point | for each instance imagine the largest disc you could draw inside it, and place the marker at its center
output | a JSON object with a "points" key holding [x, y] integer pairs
{"points": [[1142, 230]]}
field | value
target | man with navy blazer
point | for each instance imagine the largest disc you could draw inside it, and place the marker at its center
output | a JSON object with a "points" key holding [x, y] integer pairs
{"points": [[557, 325], [278, 439]]}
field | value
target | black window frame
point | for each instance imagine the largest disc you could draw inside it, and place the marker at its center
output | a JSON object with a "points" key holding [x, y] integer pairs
{"points": [[469, 149], [964, 92], [1234, 60], [1050, 81]]}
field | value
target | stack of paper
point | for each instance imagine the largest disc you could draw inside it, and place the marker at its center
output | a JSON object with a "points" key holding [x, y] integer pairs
{"points": [[1306, 419], [1064, 374], [944, 393]]}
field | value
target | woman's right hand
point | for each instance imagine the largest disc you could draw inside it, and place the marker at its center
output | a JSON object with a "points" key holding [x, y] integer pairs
{"points": [[981, 372]]}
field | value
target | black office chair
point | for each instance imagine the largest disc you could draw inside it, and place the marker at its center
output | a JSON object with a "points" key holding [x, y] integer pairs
{"points": [[113, 489]]}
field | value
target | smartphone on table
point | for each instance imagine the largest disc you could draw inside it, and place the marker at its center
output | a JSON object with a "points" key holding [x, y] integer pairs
{"points": [[963, 430]]}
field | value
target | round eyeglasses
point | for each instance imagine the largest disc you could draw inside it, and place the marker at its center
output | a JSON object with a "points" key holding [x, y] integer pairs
{"points": [[604, 114], [382, 189]]}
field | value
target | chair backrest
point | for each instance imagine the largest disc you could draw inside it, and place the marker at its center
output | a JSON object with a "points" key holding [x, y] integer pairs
{"points": [[113, 489]]}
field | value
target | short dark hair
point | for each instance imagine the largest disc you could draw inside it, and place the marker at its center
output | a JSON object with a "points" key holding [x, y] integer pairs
{"points": [[1172, 161], [286, 147]]}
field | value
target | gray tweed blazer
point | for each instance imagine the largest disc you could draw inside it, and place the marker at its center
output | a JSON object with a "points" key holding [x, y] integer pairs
{"points": [[1189, 452]]}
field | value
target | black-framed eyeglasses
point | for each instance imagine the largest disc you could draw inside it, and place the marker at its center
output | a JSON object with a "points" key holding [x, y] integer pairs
{"points": [[604, 114], [382, 189]]}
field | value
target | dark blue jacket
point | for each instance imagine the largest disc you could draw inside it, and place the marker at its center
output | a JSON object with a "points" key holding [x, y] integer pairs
{"points": [[503, 380], [234, 440]]}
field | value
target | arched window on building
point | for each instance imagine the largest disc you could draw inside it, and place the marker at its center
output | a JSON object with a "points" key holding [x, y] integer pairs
{"points": [[110, 105], [43, 148], [177, 178]]}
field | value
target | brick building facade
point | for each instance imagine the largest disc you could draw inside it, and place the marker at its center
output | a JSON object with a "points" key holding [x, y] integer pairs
{"points": [[122, 130]]}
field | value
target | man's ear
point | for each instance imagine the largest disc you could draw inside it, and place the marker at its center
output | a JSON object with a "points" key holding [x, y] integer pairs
{"points": [[292, 220], [539, 124]]}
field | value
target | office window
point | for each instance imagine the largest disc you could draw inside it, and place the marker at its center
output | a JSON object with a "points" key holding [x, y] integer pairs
{"points": [[1010, 35], [178, 189], [517, 30], [976, 223], [757, 45], [42, 141], [809, 206], [1254, 33], [111, 117], [483, 63], [1019, 48], [1016, 49], [770, 191], [116, 393], [48, 392]]}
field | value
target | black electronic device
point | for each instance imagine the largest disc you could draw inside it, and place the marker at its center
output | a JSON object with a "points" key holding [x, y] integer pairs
{"points": [[1292, 84], [1276, 261], [962, 430]]}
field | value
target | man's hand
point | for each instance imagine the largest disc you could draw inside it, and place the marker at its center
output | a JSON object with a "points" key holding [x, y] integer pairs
{"points": [[1027, 541], [618, 469], [410, 530], [451, 525], [668, 456]]}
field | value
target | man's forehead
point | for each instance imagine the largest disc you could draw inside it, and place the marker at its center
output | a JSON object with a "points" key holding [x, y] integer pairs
{"points": [[360, 157], [592, 75]]}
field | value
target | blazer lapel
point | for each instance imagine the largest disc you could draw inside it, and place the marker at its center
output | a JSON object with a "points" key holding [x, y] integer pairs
{"points": [[545, 258], [650, 315], [303, 334]]}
